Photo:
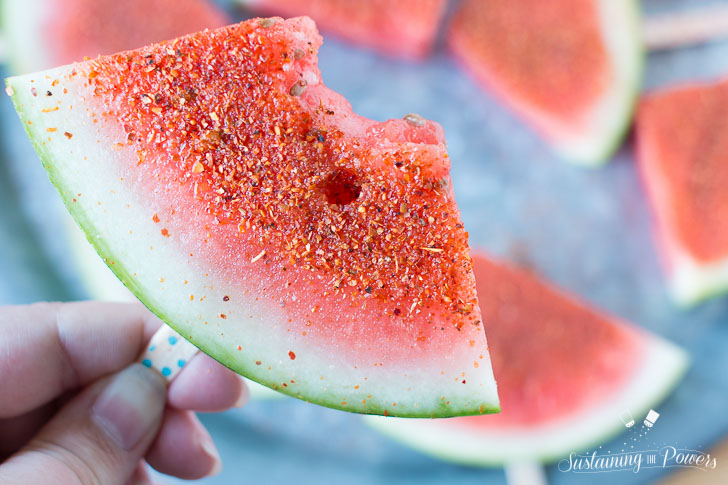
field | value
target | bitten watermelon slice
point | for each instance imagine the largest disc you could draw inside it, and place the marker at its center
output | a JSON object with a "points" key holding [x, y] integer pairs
{"points": [[570, 68], [683, 155], [47, 33], [305, 247], [565, 374], [403, 28]]}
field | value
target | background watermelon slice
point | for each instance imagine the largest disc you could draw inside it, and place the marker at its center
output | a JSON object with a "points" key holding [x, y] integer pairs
{"points": [[309, 249], [403, 28], [682, 155], [45, 33], [571, 69], [565, 374]]}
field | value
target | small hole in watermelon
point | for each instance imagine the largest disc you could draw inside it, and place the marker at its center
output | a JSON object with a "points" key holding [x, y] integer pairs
{"points": [[342, 187]]}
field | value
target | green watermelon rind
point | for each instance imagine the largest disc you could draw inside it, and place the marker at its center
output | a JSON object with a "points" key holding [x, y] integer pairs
{"points": [[692, 282], [99, 281], [324, 395], [453, 449]]}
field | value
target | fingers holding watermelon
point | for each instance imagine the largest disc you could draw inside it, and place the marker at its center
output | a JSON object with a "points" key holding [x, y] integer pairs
{"points": [[55, 410], [206, 386], [194, 456]]}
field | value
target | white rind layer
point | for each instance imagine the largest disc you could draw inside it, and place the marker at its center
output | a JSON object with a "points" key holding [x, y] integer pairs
{"points": [[115, 220], [662, 366], [611, 115], [692, 281], [101, 283]]}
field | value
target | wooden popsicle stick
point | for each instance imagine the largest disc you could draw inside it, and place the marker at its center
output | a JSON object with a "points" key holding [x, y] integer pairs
{"points": [[167, 352], [680, 29], [523, 473]]}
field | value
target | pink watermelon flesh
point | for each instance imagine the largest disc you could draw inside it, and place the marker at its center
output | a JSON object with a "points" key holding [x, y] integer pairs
{"points": [[553, 63], [553, 355], [65, 31], [402, 28], [78, 28], [308, 248], [565, 373], [683, 153]]}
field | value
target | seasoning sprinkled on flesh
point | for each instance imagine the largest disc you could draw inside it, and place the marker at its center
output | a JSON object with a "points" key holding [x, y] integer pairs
{"points": [[414, 119], [298, 88], [378, 222], [267, 23]]}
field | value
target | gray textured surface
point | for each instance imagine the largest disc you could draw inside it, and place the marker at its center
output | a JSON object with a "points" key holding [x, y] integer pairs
{"points": [[588, 231]]}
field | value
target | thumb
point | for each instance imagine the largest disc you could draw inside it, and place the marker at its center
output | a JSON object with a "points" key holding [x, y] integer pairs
{"points": [[98, 437]]}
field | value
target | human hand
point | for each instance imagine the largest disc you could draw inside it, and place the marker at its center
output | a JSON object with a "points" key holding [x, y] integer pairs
{"points": [[75, 410]]}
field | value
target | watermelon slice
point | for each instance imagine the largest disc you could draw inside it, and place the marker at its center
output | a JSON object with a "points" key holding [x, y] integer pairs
{"points": [[571, 69], [404, 28], [44, 33], [565, 374], [307, 248], [682, 154]]}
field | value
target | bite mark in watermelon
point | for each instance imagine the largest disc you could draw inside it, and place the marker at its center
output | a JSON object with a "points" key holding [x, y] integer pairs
{"points": [[403, 28], [307, 248], [571, 69], [45, 33], [682, 156], [565, 373]]}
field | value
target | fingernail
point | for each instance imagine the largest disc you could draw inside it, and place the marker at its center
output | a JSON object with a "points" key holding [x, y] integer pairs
{"points": [[130, 405], [210, 450], [244, 397]]}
